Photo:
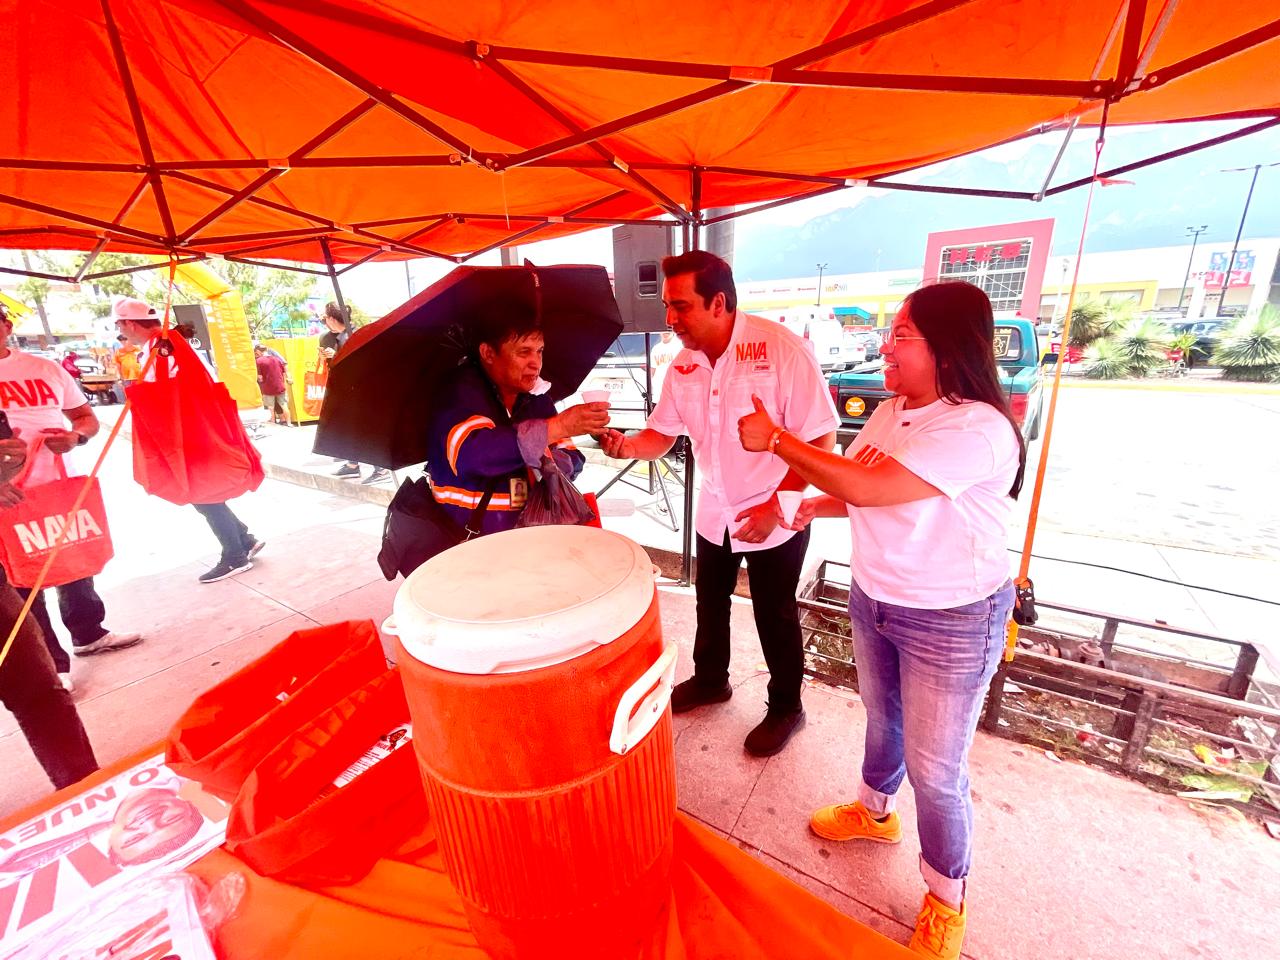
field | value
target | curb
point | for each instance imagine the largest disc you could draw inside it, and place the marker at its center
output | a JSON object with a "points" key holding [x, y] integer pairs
{"points": [[337, 486], [1210, 387]]}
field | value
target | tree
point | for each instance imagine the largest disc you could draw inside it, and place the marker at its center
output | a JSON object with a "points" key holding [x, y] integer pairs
{"points": [[1250, 349], [148, 285], [36, 289], [1092, 319], [267, 294]]}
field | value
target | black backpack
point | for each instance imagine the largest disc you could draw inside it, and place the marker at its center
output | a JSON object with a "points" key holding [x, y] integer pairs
{"points": [[418, 527]]}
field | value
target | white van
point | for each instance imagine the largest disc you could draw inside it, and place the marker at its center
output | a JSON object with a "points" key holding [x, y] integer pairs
{"points": [[824, 333]]}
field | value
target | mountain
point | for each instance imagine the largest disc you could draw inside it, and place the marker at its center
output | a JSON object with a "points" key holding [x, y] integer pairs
{"points": [[888, 231]]}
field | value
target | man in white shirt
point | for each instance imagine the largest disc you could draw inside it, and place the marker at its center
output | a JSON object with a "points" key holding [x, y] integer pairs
{"points": [[728, 358], [140, 324], [660, 357], [39, 397]]}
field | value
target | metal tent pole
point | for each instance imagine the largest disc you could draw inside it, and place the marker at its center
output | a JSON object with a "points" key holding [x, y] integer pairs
{"points": [[333, 276]]}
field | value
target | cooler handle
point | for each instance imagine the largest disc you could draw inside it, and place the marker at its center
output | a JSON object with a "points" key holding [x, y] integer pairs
{"points": [[389, 626], [628, 730]]}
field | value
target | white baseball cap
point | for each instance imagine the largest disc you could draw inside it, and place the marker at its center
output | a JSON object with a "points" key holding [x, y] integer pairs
{"points": [[128, 308]]}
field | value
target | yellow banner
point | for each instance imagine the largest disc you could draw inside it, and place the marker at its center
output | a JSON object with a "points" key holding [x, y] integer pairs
{"points": [[230, 343], [301, 355]]}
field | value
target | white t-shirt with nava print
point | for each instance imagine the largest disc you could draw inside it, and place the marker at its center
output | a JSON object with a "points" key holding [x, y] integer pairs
{"points": [[34, 392], [944, 551]]}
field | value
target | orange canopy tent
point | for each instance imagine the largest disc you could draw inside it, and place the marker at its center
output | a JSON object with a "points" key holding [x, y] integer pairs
{"points": [[350, 130]]}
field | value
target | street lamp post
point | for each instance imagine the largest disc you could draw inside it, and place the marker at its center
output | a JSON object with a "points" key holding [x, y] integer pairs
{"points": [[1062, 290], [1194, 234], [821, 268], [1235, 247]]}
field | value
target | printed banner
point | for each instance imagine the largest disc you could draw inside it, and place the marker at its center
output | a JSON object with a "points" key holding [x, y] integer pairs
{"points": [[230, 343], [142, 822]]}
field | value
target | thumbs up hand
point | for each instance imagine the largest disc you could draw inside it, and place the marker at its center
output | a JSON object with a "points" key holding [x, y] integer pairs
{"points": [[755, 428]]}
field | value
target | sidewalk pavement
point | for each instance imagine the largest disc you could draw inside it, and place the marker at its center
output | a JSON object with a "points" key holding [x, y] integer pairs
{"points": [[1076, 527], [1070, 861]]}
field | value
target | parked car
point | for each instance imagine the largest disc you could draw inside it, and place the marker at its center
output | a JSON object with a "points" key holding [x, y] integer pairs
{"points": [[621, 371], [855, 349], [870, 340], [825, 334], [857, 394], [1207, 330]]}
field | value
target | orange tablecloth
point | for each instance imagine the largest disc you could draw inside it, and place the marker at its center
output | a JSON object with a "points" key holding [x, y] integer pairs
{"points": [[723, 904]]}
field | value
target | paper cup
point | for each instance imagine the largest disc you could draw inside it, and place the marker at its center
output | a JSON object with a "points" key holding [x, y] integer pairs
{"points": [[595, 396], [789, 501]]}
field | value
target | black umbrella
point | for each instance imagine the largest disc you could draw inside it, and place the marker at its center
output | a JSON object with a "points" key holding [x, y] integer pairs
{"points": [[378, 398]]}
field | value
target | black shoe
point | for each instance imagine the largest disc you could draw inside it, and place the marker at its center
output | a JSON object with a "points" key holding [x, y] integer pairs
{"points": [[224, 569], [690, 693], [347, 470], [773, 732], [381, 473], [254, 548]]}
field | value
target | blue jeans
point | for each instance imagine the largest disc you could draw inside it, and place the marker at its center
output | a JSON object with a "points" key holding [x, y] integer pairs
{"points": [[923, 675]]}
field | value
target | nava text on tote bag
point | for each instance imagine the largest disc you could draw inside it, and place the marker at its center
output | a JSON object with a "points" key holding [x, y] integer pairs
{"points": [[314, 383], [30, 530]]}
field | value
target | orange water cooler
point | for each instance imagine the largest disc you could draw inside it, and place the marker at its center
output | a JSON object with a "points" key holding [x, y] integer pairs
{"points": [[539, 686]]}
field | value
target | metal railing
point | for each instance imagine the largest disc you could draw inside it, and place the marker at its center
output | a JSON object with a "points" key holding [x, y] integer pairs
{"points": [[1204, 727]]}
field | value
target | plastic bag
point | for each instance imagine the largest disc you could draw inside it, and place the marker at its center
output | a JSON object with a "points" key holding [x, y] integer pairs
{"points": [[172, 915], [335, 796], [554, 499], [233, 725]]}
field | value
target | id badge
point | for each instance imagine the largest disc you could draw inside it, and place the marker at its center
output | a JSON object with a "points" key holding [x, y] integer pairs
{"points": [[519, 492]]}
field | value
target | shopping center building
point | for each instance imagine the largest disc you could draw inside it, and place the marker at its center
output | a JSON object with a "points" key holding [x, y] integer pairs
{"points": [[1165, 280]]}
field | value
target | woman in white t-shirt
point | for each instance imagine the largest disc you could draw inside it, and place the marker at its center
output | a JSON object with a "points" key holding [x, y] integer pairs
{"points": [[927, 487]]}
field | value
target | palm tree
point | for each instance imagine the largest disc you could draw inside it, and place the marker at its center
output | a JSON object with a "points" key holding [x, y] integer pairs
{"points": [[1103, 360], [1087, 318], [1143, 344], [1250, 349]]}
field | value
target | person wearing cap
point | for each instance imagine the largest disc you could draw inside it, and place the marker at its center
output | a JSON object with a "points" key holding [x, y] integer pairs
{"points": [[29, 681], [139, 323], [728, 357], [39, 397]]}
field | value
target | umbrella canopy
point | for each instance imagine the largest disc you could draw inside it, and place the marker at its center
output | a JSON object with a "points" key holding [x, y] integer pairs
{"points": [[378, 399], [362, 129]]}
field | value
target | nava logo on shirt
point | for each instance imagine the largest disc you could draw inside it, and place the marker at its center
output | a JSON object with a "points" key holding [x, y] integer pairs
{"points": [[869, 456], [752, 351], [26, 393]]}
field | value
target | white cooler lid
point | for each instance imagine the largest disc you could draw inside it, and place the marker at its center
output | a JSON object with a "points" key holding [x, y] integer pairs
{"points": [[523, 599]]}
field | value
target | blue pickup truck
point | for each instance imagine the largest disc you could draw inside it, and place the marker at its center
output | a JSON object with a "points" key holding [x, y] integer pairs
{"points": [[858, 393]]}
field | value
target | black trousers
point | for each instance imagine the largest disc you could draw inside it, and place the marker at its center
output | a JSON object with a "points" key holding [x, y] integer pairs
{"points": [[30, 690], [82, 612], [233, 535], [774, 575]]}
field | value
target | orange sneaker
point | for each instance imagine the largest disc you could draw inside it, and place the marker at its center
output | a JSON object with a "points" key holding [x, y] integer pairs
{"points": [[939, 930], [853, 821]]}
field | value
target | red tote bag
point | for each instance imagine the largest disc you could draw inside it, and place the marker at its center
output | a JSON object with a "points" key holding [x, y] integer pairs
{"points": [[335, 797], [189, 445], [230, 727], [30, 530]]}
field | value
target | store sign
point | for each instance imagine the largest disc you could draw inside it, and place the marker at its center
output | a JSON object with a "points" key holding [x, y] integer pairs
{"points": [[1241, 269], [986, 253]]}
